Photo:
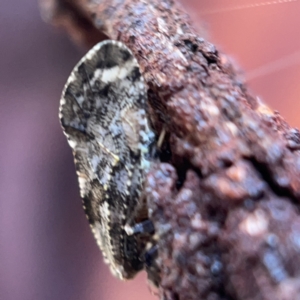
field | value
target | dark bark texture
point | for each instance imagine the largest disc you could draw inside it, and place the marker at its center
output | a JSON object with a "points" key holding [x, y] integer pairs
{"points": [[224, 196]]}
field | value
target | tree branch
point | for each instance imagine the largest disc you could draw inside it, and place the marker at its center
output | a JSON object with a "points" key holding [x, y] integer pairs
{"points": [[224, 199]]}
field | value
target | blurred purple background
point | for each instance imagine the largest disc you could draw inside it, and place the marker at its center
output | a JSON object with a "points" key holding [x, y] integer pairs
{"points": [[46, 248]]}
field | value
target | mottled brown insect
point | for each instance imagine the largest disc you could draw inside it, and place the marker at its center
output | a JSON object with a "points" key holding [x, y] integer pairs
{"points": [[103, 115]]}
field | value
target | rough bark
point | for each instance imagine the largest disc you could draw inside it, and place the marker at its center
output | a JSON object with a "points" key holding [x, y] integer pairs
{"points": [[224, 196]]}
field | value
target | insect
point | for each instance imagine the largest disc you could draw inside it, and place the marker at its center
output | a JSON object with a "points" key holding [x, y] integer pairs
{"points": [[103, 112]]}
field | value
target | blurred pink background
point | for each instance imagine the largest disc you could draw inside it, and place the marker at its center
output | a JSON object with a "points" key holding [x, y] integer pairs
{"points": [[46, 248]]}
